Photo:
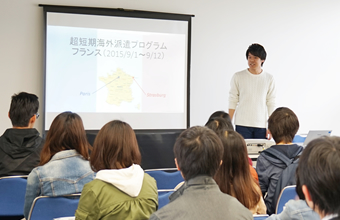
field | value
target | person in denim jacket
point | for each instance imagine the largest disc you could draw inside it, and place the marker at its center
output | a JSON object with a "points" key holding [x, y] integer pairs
{"points": [[296, 210], [64, 167], [318, 177]]}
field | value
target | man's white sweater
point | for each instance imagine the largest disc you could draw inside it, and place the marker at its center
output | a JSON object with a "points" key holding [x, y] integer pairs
{"points": [[254, 97]]}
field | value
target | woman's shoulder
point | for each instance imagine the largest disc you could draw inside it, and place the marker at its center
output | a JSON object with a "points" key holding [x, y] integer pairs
{"points": [[148, 178], [67, 157], [68, 167], [149, 183], [98, 188]]}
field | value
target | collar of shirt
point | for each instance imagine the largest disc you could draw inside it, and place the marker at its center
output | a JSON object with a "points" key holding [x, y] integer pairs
{"points": [[331, 216]]}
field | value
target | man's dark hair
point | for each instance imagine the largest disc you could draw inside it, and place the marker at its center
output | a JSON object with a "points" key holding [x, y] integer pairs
{"points": [[198, 151], [23, 107], [257, 50], [283, 125], [318, 170]]}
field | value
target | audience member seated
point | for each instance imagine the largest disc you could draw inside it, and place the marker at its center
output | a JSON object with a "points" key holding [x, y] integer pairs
{"points": [[319, 177], [296, 209], [121, 189], [283, 125], [20, 146], [229, 126], [220, 127], [198, 154], [223, 115], [234, 178], [64, 167]]}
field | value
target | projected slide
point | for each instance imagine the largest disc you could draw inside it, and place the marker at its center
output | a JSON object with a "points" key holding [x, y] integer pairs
{"points": [[110, 70]]}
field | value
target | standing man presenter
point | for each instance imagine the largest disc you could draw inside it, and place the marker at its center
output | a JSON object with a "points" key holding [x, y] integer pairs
{"points": [[252, 96]]}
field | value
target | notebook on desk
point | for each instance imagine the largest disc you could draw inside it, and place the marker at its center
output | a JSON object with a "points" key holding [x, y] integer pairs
{"points": [[313, 134]]}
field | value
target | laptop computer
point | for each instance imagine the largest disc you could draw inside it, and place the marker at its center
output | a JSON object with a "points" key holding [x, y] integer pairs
{"points": [[313, 134]]}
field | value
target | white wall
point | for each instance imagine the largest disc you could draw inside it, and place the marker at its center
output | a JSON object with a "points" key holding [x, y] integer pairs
{"points": [[301, 39]]}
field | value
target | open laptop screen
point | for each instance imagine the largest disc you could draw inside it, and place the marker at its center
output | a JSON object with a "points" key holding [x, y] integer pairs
{"points": [[316, 134]]}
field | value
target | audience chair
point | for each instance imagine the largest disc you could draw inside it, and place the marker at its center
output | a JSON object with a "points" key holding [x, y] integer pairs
{"points": [[260, 217], [286, 194], [12, 196], [48, 207], [163, 197], [166, 179]]}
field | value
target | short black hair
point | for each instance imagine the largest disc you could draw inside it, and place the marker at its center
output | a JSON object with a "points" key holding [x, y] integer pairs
{"points": [[283, 125], [257, 50], [23, 106], [198, 151], [319, 171]]}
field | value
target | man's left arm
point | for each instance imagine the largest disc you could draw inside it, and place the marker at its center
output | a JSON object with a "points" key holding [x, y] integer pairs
{"points": [[270, 102], [271, 97]]}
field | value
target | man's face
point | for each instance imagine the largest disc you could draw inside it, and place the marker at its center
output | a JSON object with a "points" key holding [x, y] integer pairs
{"points": [[254, 62]]}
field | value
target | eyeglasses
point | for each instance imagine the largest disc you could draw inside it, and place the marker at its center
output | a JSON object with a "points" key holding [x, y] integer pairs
{"points": [[37, 115]]}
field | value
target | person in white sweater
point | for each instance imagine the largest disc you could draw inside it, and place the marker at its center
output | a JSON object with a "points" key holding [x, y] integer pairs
{"points": [[252, 94]]}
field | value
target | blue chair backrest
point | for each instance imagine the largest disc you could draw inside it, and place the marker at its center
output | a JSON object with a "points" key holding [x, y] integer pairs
{"points": [[166, 180], [286, 194], [260, 217], [12, 195], [48, 208], [163, 197]]}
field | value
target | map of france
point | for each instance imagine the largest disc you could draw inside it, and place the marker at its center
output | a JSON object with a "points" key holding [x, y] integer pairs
{"points": [[119, 87]]}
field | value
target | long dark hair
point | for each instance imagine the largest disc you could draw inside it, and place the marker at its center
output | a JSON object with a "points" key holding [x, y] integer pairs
{"points": [[234, 176], [66, 132]]}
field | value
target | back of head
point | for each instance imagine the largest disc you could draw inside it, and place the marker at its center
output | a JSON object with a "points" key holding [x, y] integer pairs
{"points": [[283, 125], [198, 151], [66, 133], [257, 50], [115, 147], [319, 171], [23, 107], [219, 125], [220, 114]]}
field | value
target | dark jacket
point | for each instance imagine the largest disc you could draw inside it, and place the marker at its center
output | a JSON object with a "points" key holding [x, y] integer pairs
{"points": [[287, 178], [19, 151], [201, 198], [269, 170]]}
